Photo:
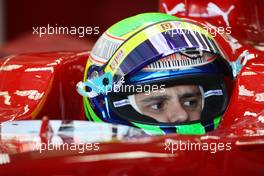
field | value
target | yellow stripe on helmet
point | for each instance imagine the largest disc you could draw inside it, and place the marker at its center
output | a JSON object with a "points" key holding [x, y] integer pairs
{"points": [[127, 47]]}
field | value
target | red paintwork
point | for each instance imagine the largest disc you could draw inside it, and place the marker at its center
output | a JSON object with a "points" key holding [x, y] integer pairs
{"points": [[242, 125], [246, 18], [48, 95]]}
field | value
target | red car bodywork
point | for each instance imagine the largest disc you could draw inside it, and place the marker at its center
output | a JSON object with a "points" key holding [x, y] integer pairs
{"points": [[34, 85], [41, 84]]}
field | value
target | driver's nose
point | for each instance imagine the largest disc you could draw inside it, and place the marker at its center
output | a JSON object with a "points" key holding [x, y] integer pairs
{"points": [[175, 113]]}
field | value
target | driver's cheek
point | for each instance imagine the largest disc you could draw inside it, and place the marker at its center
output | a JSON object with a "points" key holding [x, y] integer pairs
{"points": [[176, 113], [194, 114]]}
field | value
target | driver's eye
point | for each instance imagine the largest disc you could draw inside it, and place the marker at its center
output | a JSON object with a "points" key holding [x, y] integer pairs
{"points": [[157, 106], [190, 103]]}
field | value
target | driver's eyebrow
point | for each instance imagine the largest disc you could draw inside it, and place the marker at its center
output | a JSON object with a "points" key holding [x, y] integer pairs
{"points": [[156, 98], [189, 95]]}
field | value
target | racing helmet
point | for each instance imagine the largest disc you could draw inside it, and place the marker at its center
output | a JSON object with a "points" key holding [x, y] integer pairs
{"points": [[154, 50]]}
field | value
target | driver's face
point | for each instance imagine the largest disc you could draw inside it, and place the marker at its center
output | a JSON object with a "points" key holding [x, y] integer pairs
{"points": [[175, 104]]}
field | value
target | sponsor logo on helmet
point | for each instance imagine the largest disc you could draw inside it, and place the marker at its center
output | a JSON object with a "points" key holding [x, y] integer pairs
{"points": [[120, 55]]}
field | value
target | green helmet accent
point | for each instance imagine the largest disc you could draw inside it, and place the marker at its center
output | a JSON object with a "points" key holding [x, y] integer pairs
{"points": [[217, 121], [149, 129], [196, 128], [137, 22], [90, 114], [189, 129]]}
